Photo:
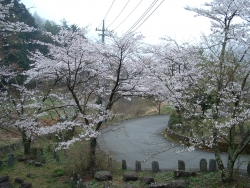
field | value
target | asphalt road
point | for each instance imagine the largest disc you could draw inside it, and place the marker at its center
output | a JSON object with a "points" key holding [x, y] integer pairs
{"points": [[141, 140]]}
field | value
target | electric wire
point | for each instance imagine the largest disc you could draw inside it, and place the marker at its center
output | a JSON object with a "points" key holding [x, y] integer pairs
{"points": [[107, 13], [142, 16], [149, 15], [128, 15], [119, 14]]}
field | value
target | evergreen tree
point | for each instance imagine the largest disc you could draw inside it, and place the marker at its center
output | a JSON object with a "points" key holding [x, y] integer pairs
{"points": [[39, 20], [15, 50], [51, 27]]}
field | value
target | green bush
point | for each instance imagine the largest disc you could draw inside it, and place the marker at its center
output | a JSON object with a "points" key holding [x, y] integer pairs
{"points": [[174, 118], [167, 110], [78, 155]]}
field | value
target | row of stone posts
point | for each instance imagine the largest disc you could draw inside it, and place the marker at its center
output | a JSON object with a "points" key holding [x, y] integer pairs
{"points": [[212, 167], [155, 166]]}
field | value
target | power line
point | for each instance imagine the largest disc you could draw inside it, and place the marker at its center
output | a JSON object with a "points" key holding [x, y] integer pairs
{"points": [[128, 15], [119, 14], [109, 9], [107, 12], [149, 15], [142, 16]]}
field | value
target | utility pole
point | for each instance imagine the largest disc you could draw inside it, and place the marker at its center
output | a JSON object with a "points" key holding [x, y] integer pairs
{"points": [[103, 32], [103, 41]]}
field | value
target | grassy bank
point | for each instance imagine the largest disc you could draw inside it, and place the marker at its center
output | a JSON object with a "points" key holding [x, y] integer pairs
{"points": [[55, 174]]}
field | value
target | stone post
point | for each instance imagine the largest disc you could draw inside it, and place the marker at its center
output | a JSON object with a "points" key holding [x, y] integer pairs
{"points": [[212, 165], [72, 182], [203, 165], [137, 165], [11, 160], [181, 165], [124, 165], [155, 166]]}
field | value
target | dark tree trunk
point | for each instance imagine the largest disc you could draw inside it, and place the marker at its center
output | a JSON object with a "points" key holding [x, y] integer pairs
{"points": [[26, 143], [227, 174], [92, 154], [92, 150], [159, 108]]}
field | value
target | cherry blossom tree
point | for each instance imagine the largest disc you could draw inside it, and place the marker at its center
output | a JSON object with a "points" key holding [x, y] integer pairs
{"points": [[124, 73], [17, 110], [78, 73], [69, 78], [13, 96], [208, 83]]}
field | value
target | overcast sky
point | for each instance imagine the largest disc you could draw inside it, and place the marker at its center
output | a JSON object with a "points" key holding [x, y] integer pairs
{"points": [[169, 19]]}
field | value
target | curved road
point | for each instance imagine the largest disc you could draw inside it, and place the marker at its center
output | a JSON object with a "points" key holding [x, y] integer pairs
{"points": [[140, 139]]}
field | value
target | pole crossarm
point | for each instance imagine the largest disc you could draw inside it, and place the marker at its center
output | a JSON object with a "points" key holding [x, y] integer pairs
{"points": [[103, 32]]}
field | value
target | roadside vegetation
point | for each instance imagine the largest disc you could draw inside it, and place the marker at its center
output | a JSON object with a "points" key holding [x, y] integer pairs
{"points": [[57, 174]]}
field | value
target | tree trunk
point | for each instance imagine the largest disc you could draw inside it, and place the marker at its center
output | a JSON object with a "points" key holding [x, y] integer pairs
{"points": [[227, 174], [92, 154], [26, 143], [92, 150]]}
